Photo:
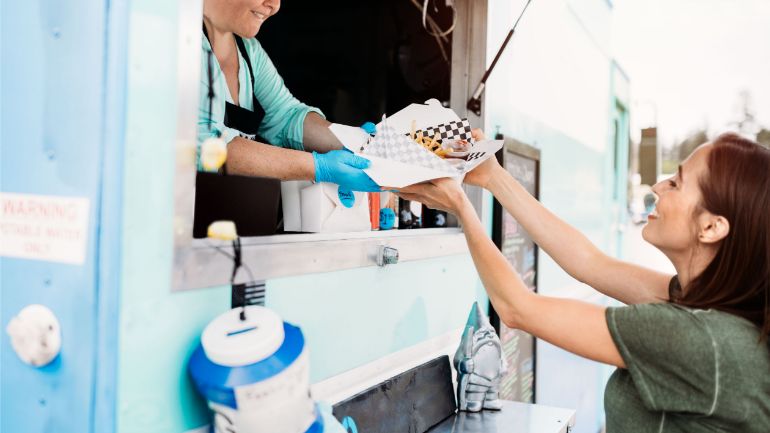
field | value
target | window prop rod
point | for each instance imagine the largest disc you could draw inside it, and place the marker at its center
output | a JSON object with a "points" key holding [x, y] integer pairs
{"points": [[474, 104]]}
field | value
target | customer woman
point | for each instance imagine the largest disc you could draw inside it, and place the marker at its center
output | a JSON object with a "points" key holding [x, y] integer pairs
{"points": [[243, 100], [692, 349]]}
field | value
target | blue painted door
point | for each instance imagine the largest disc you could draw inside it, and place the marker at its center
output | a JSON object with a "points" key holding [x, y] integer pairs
{"points": [[53, 144]]}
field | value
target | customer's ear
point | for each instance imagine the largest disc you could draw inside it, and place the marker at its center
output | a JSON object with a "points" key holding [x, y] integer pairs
{"points": [[712, 228]]}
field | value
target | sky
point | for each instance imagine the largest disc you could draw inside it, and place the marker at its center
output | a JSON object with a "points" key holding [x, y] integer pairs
{"points": [[689, 60]]}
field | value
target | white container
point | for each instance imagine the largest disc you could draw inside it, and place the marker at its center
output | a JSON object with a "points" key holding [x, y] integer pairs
{"points": [[329, 208], [291, 203], [255, 374]]}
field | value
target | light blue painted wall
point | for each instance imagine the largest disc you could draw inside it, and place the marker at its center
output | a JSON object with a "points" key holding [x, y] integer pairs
{"points": [[55, 113], [158, 330], [349, 318], [552, 89], [354, 317]]}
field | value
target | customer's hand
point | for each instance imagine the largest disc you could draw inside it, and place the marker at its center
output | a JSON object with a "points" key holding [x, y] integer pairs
{"points": [[345, 169], [480, 175], [478, 134], [444, 194]]}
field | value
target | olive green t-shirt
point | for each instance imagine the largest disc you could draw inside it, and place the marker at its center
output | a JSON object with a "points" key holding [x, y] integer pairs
{"points": [[687, 370]]}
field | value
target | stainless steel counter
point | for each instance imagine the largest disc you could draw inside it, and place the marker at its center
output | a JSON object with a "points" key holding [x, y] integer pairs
{"points": [[513, 418]]}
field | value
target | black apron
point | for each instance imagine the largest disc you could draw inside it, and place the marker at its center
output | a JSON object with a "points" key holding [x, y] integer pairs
{"points": [[252, 203]]}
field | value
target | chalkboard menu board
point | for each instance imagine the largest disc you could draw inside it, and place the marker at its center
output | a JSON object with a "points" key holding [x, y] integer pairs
{"points": [[523, 163]]}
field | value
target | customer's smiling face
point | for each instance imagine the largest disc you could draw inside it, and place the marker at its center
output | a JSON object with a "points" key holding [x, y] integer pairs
{"points": [[673, 226], [242, 17]]}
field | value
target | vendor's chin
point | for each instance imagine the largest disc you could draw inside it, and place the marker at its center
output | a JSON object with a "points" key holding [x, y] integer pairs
{"points": [[250, 31]]}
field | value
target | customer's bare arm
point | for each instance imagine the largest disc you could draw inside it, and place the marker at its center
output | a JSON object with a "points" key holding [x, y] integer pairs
{"points": [[576, 326], [572, 250]]}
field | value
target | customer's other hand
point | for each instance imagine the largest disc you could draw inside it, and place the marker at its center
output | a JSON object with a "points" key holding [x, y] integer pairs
{"points": [[478, 134], [345, 169], [480, 175]]}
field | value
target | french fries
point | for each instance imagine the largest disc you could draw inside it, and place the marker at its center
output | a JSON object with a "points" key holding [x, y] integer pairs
{"points": [[448, 148], [432, 144]]}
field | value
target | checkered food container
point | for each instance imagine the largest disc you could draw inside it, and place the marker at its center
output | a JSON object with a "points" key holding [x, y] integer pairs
{"points": [[455, 130], [389, 144]]}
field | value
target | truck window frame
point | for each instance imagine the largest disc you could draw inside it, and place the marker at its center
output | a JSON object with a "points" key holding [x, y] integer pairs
{"points": [[199, 263]]}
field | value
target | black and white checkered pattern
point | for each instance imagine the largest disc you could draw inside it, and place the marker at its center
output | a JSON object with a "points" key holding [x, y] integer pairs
{"points": [[474, 155], [389, 144], [458, 130]]}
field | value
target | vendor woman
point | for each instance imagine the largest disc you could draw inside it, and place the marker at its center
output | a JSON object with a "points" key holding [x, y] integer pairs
{"points": [[691, 349], [243, 100]]}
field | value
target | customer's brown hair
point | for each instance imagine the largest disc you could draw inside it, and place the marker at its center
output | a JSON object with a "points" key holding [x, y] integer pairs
{"points": [[737, 187]]}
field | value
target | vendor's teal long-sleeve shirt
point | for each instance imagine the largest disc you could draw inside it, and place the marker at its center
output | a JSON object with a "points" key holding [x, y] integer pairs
{"points": [[284, 114]]}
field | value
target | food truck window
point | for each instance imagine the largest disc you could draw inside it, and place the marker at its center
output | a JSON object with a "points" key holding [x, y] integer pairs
{"points": [[355, 61], [359, 60]]}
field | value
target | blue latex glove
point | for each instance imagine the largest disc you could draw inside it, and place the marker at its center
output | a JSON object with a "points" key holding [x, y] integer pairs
{"points": [[370, 128], [331, 425], [345, 169]]}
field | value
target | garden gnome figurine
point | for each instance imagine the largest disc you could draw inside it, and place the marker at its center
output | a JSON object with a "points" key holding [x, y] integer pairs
{"points": [[480, 364]]}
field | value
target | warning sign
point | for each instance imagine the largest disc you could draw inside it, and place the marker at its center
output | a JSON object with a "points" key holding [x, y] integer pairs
{"points": [[43, 227]]}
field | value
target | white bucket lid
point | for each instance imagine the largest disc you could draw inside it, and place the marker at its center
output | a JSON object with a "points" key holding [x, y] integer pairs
{"points": [[231, 342]]}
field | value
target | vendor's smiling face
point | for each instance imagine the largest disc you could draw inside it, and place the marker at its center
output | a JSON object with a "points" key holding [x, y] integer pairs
{"points": [[242, 17]]}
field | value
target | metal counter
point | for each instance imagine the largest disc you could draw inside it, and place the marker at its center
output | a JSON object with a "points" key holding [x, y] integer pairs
{"points": [[513, 418]]}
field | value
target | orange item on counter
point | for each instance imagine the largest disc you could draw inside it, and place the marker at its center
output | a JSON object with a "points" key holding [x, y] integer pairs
{"points": [[374, 210]]}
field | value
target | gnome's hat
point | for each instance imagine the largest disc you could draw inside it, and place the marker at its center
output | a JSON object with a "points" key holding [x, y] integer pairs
{"points": [[476, 320]]}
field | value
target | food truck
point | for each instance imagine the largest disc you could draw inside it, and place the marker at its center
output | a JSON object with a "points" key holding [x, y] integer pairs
{"points": [[99, 185]]}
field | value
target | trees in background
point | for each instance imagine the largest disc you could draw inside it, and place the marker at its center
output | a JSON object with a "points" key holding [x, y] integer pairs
{"points": [[763, 137], [745, 124]]}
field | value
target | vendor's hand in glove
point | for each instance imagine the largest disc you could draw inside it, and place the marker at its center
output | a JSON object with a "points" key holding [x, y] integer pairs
{"points": [[345, 169]]}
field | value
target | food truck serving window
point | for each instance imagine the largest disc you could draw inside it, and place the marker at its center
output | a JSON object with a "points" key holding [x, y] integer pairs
{"points": [[355, 61]]}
